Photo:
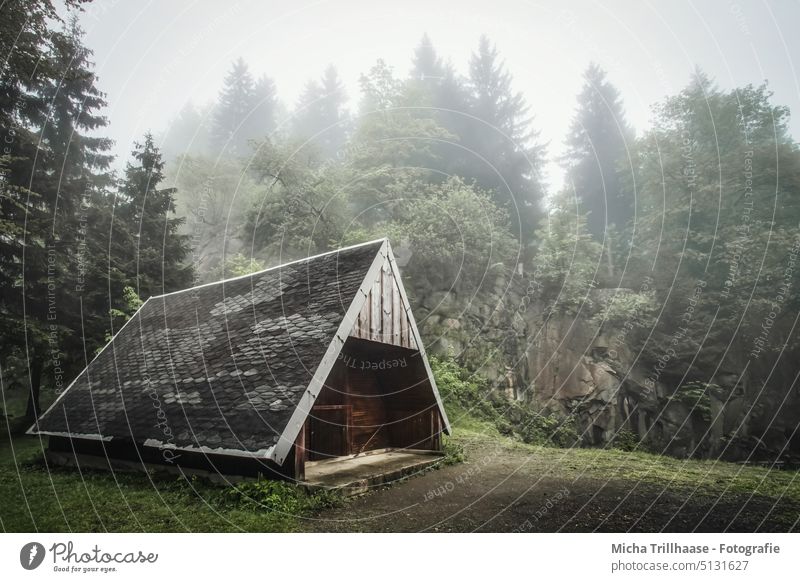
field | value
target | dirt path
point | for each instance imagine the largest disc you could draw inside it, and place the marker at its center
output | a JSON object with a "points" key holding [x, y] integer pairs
{"points": [[501, 489]]}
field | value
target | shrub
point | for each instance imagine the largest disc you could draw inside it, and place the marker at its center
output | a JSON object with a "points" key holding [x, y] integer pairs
{"points": [[625, 440], [696, 396], [471, 395], [464, 390], [279, 496], [547, 429], [453, 453]]}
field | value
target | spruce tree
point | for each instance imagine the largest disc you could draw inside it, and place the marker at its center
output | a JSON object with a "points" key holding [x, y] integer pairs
{"points": [[427, 65], [53, 176], [155, 259], [234, 108], [435, 84], [24, 47], [506, 158], [320, 115], [596, 154], [187, 133], [261, 122]]}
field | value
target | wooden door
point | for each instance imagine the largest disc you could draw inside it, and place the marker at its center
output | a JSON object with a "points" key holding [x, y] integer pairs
{"points": [[329, 432]]}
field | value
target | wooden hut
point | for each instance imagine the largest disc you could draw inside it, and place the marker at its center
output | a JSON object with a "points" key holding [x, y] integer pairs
{"points": [[310, 361]]}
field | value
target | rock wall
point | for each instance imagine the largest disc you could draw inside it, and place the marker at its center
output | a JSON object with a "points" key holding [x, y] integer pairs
{"points": [[568, 364]]}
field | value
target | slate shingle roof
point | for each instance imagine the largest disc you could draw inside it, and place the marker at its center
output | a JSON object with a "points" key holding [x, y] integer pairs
{"points": [[219, 366]]}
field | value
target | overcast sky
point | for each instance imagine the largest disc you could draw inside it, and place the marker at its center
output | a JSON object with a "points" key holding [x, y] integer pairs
{"points": [[154, 57]]}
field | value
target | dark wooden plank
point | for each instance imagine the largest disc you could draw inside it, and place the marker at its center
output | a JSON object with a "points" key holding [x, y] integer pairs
{"points": [[300, 455]]}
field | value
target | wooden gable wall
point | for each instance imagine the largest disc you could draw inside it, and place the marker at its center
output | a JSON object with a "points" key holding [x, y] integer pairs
{"points": [[383, 317]]}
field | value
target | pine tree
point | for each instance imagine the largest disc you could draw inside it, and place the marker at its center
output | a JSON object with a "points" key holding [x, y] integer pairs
{"points": [[50, 184], [506, 157], [334, 100], [261, 122], [435, 84], [234, 107], [155, 259], [24, 47], [427, 65], [436, 92], [187, 133], [393, 147], [596, 153], [320, 115]]}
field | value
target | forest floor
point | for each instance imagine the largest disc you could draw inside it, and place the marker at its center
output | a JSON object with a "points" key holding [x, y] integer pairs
{"points": [[505, 486], [502, 485]]}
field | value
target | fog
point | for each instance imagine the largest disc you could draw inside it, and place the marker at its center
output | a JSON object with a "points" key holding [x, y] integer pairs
{"points": [[592, 210], [152, 58]]}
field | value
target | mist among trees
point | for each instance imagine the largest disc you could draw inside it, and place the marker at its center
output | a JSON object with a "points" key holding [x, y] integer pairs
{"points": [[449, 166]]}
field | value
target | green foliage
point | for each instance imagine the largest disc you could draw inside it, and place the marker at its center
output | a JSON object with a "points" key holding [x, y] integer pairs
{"points": [[64, 500], [380, 89], [301, 210], [596, 155], [467, 394], [239, 264], [715, 231], [457, 235], [545, 429], [627, 310], [155, 252], [453, 452], [211, 193], [696, 396], [625, 440], [457, 385], [280, 497], [567, 259], [131, 302]]}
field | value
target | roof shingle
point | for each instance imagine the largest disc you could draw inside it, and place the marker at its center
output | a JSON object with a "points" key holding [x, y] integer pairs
{"points": [[221, 365]]}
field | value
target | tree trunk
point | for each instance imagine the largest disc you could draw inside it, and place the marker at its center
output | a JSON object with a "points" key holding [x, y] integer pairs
{"points": [[33, 409], [610, 256]]}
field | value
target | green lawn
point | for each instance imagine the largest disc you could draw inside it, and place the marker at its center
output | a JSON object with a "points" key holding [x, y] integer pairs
{"points": [[705, 477], [35, 498]]}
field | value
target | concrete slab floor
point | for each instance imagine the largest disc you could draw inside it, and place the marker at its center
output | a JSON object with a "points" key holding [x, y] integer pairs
{"points": [[372, 469]]}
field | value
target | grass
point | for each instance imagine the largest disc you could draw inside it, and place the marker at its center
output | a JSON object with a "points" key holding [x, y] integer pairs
{"points": [[701, 477], [34, 497], [705, 476], [472, 417]]}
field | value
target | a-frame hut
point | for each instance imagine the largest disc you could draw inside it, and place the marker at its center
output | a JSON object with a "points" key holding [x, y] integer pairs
{"points": [[312, 360]]}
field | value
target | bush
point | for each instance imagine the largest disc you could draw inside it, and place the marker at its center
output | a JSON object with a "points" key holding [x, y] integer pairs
{"points": [[625, 440], [280, 497], [471, 395], [696, 396], [453, 453], [464, 390], [547, 430]]}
